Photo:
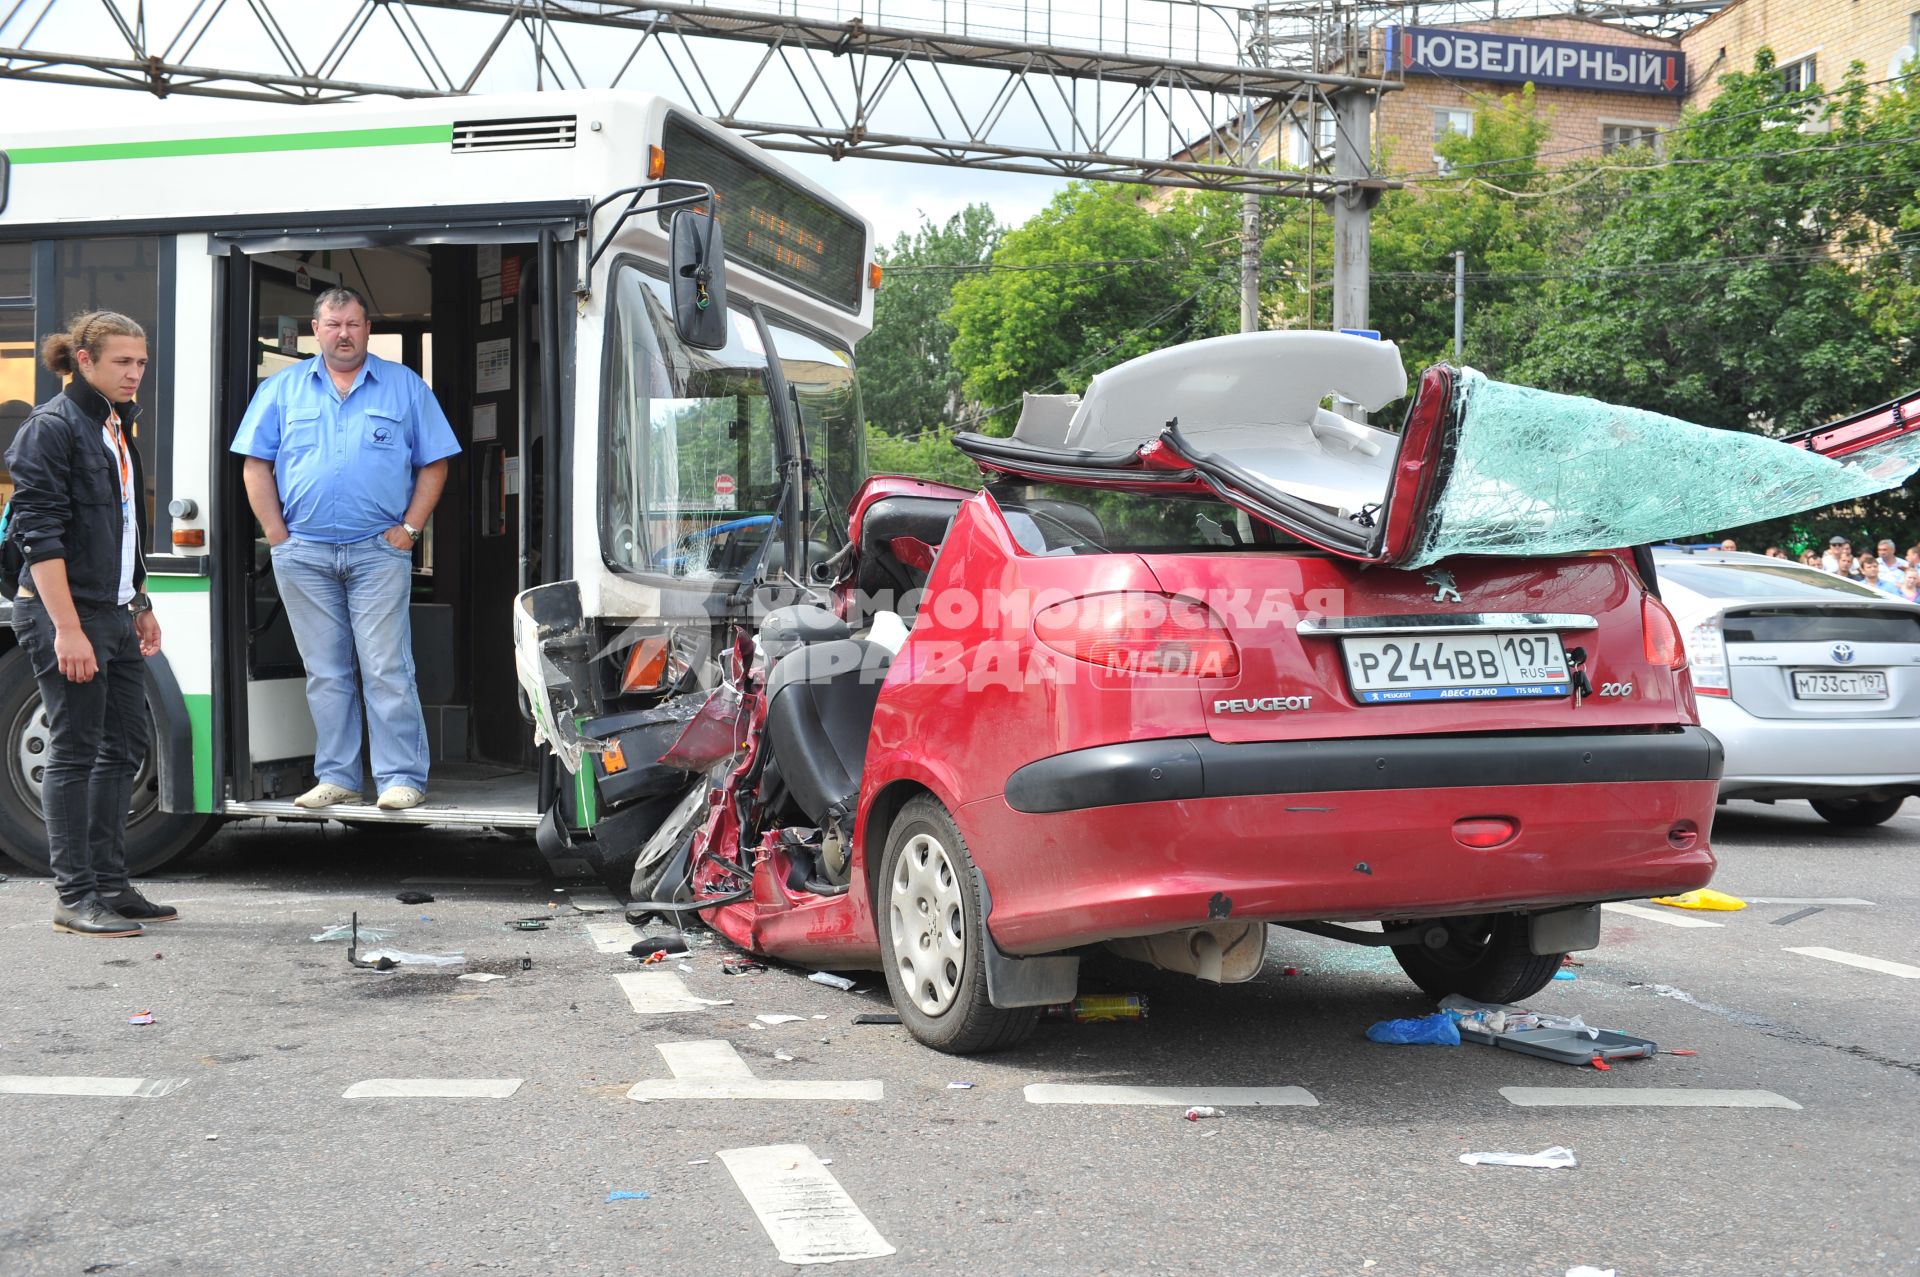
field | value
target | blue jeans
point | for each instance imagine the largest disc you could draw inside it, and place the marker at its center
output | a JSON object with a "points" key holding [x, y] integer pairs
{"points": [[99, 737], [348, 603]]}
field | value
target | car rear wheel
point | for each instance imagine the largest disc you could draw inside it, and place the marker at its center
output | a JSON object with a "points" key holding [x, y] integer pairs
{"points": [[1486, 958], [932, 926], [1857, 813]]}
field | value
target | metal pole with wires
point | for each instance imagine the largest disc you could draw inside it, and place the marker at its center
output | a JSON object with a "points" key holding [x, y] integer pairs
{"points": [[1459, 305]]}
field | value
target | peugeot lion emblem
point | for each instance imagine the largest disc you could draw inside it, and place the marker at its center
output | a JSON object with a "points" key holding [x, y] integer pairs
{"points": [[1843, 653], [1444, 590]]}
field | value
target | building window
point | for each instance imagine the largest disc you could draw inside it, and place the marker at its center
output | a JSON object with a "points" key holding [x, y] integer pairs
{"points": [[1449, 119], [1614, 137], [1797, 77]]}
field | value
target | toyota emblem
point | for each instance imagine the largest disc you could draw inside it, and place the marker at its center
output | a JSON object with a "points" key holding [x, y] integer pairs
{"points": [[1843, 653]]}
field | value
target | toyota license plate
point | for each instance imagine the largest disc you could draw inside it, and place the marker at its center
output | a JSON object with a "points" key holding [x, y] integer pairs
{"points": [[1854, 685], [1496, 665]]}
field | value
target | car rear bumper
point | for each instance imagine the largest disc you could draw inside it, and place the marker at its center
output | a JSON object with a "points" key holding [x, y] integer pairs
{"points": [[1155, 836], [1813, 758]]}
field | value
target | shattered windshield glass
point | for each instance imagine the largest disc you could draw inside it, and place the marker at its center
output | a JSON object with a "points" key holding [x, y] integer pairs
{"points": [[1534, 473]]}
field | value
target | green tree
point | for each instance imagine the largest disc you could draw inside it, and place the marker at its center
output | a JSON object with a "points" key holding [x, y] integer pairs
{"points": [[1095, 278], [907, 378], [927, 455], [1489, 204]]}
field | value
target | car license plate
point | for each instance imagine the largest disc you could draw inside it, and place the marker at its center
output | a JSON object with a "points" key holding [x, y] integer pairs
{"points": [[1496, 665], [1854, 685]]}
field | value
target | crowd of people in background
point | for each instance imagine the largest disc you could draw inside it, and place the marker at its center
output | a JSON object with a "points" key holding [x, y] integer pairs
{"points": [[1890, 573]]}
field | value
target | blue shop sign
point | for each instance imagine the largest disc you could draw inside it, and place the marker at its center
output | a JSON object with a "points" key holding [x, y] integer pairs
{"points": [[1569, 64]]}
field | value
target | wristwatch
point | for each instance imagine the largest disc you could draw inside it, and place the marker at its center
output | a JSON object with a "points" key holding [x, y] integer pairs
{"points": [[411, 530], [139, 603]]}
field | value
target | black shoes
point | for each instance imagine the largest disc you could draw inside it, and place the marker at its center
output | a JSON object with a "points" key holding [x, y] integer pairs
{"points": [[91, 917], [130, 904]]}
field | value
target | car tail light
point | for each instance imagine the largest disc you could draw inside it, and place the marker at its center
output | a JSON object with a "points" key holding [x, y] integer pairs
{"points": [[1707, 654], [646, 665], [1664, 648], [1140, 633]]}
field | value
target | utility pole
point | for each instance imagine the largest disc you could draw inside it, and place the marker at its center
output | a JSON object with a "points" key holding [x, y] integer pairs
{"points": [[1459, 305], [1352, 206], [1249, 263]]}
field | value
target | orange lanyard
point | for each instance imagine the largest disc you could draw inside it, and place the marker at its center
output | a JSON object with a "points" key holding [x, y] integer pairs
{"points": [[126, 466]]}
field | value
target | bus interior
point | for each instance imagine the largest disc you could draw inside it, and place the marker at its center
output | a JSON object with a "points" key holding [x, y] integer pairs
{"points": [[466, 317]]}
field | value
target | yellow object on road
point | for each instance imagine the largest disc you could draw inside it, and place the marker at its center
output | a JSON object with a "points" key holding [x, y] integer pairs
{"points": [[1704, 898]]}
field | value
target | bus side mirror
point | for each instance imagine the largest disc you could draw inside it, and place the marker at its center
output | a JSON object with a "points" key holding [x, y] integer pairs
{"points": [[697, 265]]}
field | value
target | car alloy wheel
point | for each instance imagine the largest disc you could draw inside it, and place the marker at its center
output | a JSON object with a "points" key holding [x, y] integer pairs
{"points": [[929, 937]]}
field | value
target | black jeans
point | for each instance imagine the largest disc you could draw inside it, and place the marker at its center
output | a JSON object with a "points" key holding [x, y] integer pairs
{"points": [[99, 731]]}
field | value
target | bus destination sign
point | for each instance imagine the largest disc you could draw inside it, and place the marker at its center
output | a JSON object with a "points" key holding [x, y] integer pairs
{"points": [[770, 223]]}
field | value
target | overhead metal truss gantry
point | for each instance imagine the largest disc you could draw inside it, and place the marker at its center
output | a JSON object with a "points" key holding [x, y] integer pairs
{"points": [[1145, 91]]}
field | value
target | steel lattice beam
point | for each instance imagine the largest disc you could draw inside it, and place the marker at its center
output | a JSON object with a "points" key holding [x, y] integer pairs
{"points": [[832, 86]]}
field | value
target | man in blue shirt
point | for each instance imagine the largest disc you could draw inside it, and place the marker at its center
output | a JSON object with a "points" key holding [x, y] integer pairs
{"points": [[346, 456]]}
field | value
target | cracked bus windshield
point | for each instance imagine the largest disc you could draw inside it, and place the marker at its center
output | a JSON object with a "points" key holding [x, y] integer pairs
{"points": [[692, 482]]}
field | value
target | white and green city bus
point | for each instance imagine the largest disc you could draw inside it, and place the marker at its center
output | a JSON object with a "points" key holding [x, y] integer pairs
{"points": [[618, 467]]}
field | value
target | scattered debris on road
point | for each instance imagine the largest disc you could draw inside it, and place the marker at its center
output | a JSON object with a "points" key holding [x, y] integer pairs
{"points": [[876, 1017], [526, 924], [742, 966], [624, 1195], [779, 1018], [1703, 898], [482, 977], [415, 897], [832, 981], [348, 930], [1438, 1029], [1199, 1111], [143, 1017], [1097, 1007], [1547, 1159]]}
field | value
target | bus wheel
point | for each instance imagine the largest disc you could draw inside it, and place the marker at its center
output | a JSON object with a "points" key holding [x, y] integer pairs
{"points": [[154, 837]]}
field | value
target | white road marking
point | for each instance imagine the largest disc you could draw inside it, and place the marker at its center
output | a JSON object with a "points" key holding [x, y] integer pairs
{"points": [[611, 937], [1641, 1097], [1174, 1096], [433, 1088], [431, 881], [1808, 900], [1659, 915], [1881, 965], [714, 1071], [662, 993], [806, 1213], [129, 1088]]}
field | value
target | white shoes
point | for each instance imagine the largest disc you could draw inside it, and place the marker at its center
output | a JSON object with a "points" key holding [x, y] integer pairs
{"points": [[326, 795], [399, 798]]}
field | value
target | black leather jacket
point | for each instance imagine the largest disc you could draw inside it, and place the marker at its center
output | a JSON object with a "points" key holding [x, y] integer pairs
{"points": [[66, 497]]}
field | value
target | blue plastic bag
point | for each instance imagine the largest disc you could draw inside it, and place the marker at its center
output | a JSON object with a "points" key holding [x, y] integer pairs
{"points": [[1437, 1029]]}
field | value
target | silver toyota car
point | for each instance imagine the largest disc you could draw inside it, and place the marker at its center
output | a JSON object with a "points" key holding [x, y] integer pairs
{"points": [[1811, 682]]}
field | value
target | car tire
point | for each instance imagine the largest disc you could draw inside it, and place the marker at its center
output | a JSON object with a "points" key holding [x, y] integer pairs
{"points": [[1486, 958], [1857, 813], [154, 837], [932, 924]]}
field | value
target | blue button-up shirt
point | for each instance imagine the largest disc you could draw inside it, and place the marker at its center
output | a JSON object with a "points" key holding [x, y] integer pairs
{"points": [[345, 464]]}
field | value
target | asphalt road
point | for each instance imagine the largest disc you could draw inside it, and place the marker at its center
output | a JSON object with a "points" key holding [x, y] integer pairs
{"points": [[250, 1159]]}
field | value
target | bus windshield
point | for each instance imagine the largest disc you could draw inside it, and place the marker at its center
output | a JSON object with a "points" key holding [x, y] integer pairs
{"points": [[692, 478]]}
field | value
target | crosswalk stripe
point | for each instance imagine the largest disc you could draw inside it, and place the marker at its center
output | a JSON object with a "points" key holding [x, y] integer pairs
{"points": [[1659, 915], [433, 1088], [1807, 900], [662, 993], [611, 937], [713, 1070], [806, 1213], [1881, 965], [128, 1088], [1641, 1097], [1178, 1096]]}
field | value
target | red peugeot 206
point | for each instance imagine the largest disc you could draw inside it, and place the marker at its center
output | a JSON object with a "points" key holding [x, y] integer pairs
{"points": [[1206, 655]]}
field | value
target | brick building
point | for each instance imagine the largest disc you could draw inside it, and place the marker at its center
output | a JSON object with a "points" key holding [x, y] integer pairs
{"points": [[1599, 86], [1812, 42]]}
